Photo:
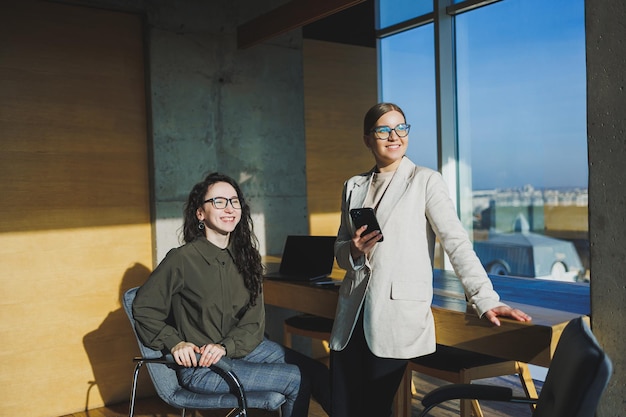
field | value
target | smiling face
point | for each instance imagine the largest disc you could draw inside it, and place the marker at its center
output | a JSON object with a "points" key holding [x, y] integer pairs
{"points": [[387, 153], [219, 223]]}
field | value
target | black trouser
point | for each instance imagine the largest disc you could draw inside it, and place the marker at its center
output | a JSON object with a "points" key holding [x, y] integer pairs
{"points": [[363, 385]]}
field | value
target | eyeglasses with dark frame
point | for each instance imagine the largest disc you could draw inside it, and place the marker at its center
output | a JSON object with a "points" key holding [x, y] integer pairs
{"points": [[221, 203], [384, 132]]}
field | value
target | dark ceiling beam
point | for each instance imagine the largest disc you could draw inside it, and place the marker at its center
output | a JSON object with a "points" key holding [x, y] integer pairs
{"points": [[289, 16]]}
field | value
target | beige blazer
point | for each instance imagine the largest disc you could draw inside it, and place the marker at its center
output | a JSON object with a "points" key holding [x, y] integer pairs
{"points": [[394, 287]]}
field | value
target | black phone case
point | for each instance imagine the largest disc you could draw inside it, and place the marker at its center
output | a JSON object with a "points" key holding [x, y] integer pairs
{"points": [[361, 216]]}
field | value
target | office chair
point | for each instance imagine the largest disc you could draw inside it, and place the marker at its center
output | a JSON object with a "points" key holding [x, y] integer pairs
{"points": [[162, 370], [577, 376]]}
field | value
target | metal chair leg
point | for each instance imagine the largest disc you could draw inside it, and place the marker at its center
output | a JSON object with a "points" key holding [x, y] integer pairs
{"points": [[133, 392]]}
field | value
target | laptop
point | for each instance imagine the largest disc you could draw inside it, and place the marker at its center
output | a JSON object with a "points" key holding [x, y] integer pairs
{"points": [[306, 258]]}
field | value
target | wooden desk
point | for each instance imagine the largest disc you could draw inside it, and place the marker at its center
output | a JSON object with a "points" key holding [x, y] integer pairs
{"points": [[532, 342]]}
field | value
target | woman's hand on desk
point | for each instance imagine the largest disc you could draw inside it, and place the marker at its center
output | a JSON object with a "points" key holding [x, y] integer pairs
{"points": [[506, 311]]}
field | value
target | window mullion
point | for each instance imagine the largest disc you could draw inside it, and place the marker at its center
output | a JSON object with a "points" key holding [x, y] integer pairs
{"points": [[445, 79]]}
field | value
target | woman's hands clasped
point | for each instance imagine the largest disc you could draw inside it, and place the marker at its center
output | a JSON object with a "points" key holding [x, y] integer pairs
{"points": [[185, 354]]}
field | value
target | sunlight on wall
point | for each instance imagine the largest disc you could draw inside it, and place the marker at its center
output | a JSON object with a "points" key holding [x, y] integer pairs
{"points": [[259, 230], [64, 287], [324, 224], [169, 233]]}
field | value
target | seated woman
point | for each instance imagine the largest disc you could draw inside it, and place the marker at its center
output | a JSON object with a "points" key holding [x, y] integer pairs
{"points": [[205, 298]]}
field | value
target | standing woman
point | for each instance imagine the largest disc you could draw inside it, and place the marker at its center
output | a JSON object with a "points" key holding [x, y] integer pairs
{"points": [[205, 298], [383, 316]]}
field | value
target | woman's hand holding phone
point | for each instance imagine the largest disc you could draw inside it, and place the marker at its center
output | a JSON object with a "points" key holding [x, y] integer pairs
{"points": [[367, 232], [366, 217]]}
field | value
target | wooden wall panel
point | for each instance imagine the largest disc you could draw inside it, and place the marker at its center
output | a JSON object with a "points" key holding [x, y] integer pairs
{"points": [[74, 213], [340, 85]]}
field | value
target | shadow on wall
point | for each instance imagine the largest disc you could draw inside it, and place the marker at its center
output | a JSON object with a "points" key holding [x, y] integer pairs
{"points": [[111, 348]]}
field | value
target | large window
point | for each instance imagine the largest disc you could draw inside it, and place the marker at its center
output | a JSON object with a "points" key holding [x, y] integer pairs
{"points": [[407, 68], [394, 12], [519, 136]]}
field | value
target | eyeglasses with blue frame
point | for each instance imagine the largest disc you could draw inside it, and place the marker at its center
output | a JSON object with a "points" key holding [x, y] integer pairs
{"points": [[384, 132]]}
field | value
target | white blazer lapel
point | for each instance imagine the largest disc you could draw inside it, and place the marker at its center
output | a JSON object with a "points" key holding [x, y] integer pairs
{"points": [[395, 191], [358, 191]]}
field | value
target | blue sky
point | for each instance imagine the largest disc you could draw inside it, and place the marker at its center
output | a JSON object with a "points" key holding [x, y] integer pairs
{"points": [[521, 87]]}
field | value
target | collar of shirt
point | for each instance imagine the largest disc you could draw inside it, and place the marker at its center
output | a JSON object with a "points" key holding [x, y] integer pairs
{"points": [[212, 253]]}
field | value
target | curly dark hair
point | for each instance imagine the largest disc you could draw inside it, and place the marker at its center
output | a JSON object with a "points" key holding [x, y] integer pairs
{"points": [[242, 240], [376, 112]]}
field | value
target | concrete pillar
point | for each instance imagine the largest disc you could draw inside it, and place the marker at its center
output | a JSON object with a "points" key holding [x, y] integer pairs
{"points": [[606, 129]]}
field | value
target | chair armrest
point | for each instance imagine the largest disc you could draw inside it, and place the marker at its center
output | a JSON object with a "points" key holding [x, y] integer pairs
{"points": [[470, 392], [467, 391], [225, 364], [223, 367]]}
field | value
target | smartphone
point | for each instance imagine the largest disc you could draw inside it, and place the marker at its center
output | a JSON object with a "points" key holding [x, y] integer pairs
{"points": [[361, 216]]}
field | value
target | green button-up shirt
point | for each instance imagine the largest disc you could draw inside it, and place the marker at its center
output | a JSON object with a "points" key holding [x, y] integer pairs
{"points": [[197, 295]]}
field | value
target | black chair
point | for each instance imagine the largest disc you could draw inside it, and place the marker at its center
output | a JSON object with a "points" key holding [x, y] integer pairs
{"points": [[162, 370], [577, 376]]}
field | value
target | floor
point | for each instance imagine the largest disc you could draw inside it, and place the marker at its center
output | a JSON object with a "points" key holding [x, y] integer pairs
{"points": [[153, 407]]}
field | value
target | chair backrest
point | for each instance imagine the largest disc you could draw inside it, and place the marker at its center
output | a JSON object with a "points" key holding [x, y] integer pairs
{"points": [[163, 377], [577, 377]]}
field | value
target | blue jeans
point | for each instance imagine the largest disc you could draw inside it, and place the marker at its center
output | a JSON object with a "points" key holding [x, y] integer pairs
{"points": [[269, 367]]}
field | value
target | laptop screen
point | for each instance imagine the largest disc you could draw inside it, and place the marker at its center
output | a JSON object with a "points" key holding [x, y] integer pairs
{"points": [[308, 255]]}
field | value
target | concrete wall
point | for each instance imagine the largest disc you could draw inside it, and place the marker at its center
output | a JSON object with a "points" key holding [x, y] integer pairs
{"points": [[606, 128], [217, 108]]}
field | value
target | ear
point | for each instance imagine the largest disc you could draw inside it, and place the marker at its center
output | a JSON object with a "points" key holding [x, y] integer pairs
{"points": [[199, 214]]}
